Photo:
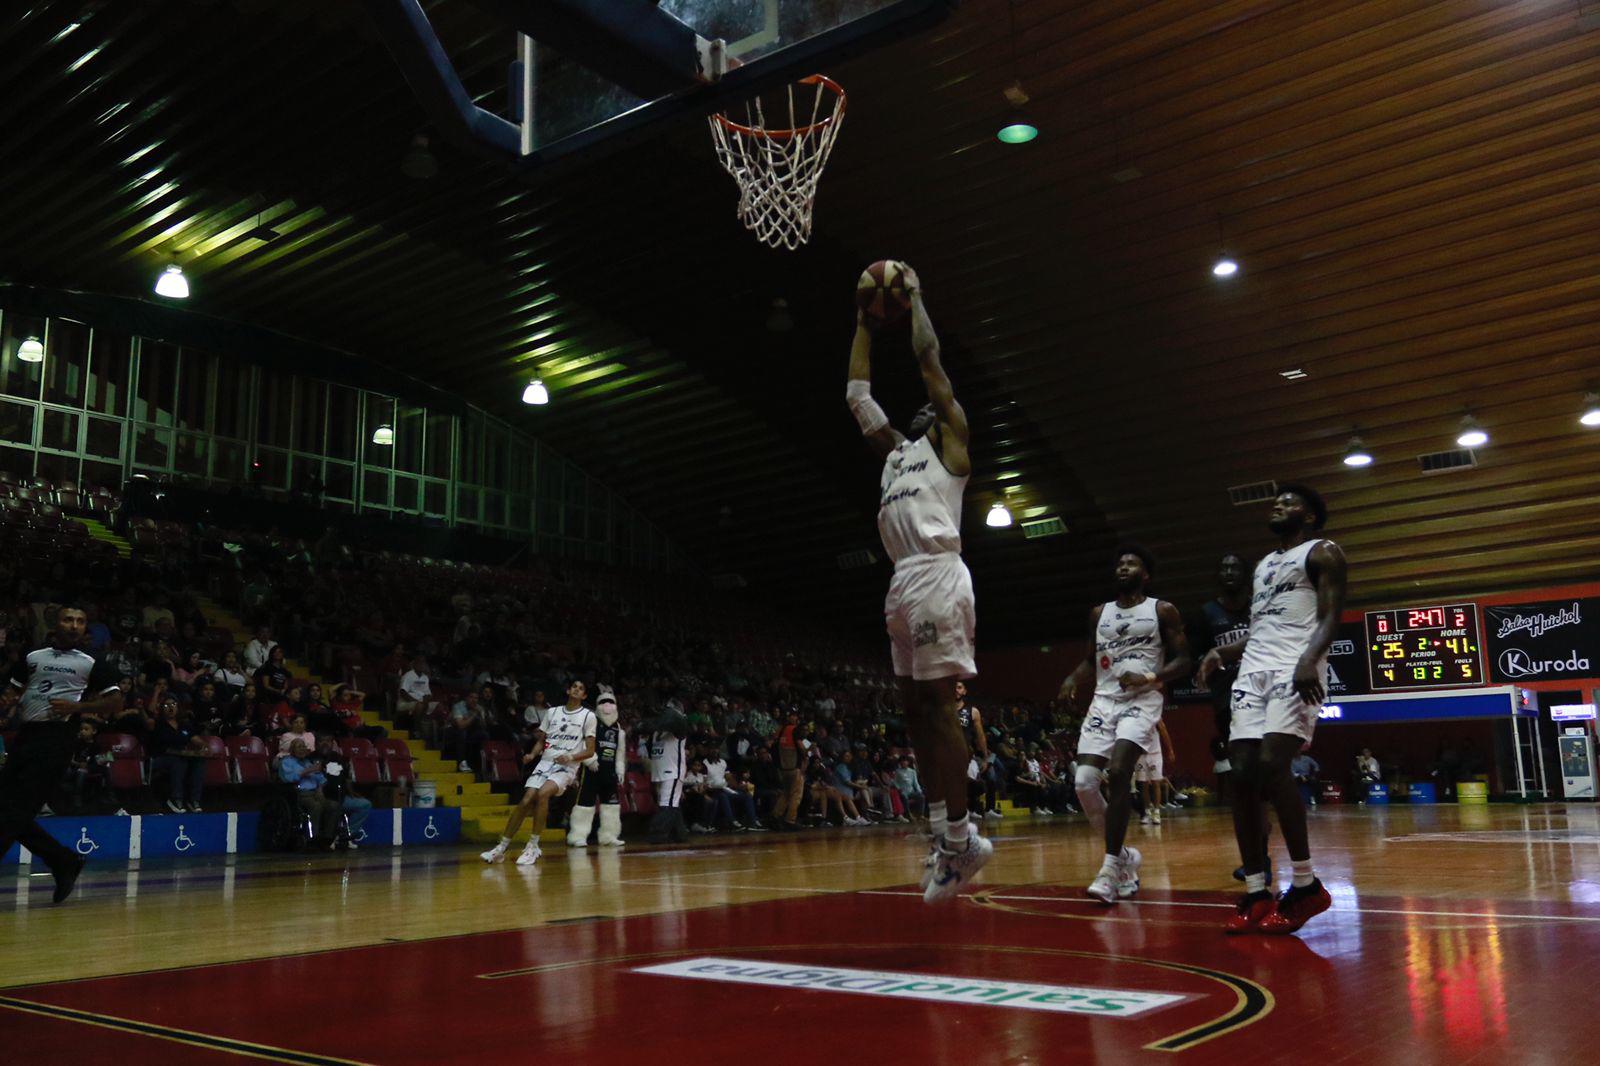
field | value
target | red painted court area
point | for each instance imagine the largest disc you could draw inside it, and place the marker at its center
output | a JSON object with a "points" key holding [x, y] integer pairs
{"points": [[1375, 980]]}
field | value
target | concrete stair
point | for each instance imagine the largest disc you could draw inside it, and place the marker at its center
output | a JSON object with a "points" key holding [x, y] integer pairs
{"points": [[98, 531]]}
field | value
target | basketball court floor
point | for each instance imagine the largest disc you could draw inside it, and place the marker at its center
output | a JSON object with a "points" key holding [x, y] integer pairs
{"points": [[1458, 935]]}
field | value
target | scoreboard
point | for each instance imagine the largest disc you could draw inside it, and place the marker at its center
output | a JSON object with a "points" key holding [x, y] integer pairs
{"points": [[1424, 647]]}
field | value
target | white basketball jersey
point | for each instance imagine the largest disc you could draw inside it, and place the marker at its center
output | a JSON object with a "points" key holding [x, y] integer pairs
{"points": [[1128, 639], [919, 507], [564, 731], [666, 757], [1283, 611]]}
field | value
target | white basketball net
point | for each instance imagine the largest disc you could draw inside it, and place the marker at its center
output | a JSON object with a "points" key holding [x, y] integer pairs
{"points": [[778, 169]]}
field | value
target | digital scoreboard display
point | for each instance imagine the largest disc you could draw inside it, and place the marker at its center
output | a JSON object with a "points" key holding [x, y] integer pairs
{"points": [[1424, 647]]}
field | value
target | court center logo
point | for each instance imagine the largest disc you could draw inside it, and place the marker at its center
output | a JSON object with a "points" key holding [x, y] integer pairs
{"points": [[938, 988], [1514, 662]]}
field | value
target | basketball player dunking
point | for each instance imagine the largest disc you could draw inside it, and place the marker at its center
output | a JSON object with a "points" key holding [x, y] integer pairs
{"points": [[1283, 675], [929, 609], [1139, 645]]}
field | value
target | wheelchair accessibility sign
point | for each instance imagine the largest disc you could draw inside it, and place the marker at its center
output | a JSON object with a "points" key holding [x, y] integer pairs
{"points": [[85, 844]]}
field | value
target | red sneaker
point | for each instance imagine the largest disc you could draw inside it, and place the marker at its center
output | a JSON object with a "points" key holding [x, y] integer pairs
{"points": [[1253, 908], [1295, 908]]}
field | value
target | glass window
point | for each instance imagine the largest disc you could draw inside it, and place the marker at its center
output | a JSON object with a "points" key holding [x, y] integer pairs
{"points": [[405, 493], [310, 409], [16, 423], [103, 438], [343, 426], [18, 378], [307, 475], [519, 513], [108, 372], [59, 430], [438, 446], [496, 444], [152, 447], [380, 412], [58, 468], [66, 363], [271, 470], [466, 504], [193, 454], [195, 375], [549, 475], [228, 460], [408, 440], [341, 478], [101, 475], [470, 466], [375, 489], [575, 482], [232, 406], [494, 508], [156, 394], [549, 517], [434, 498], [273, 405], [519, 478]]}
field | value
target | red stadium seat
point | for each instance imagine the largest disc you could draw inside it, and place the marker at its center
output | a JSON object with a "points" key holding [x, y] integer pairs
{"points": [[397, 767], [252, 762], [363, 760], [500, 762], [127, 769], [638, 795], [217, 770]]}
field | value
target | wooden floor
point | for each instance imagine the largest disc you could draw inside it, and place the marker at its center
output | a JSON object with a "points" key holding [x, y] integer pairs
{"points": [[1457, 932]]}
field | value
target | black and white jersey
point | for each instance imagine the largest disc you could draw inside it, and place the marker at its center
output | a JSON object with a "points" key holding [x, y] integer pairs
{"points": [[53, 674], [667, 757], [608, 748]]}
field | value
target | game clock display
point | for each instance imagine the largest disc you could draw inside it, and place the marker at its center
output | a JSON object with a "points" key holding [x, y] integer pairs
{"points": [[1424, 647]]}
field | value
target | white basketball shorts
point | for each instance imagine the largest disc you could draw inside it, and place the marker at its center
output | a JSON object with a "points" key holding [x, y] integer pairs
{"points": [[1148, 768], [1266, 702], [931, 618], [564, 777], [1110, 720]]}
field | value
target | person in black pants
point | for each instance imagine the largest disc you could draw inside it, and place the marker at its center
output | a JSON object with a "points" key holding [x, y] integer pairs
{"points": [[54, 683]]}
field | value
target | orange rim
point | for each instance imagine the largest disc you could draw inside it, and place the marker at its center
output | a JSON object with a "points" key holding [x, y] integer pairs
{"points": [[781, 135]]}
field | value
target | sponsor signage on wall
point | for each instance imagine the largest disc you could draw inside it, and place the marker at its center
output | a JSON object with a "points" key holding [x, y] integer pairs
{"points": [[1550, 640]]}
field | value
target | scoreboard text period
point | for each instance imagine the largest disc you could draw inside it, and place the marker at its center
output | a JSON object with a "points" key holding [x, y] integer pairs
{"points": [[1424, 647]]}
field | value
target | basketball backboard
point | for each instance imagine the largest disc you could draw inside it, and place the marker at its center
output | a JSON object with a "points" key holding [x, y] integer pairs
{"points": [[759, 42]]}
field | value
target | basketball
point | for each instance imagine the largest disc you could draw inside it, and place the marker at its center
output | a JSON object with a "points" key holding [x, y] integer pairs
{"points": [[881, 292]]}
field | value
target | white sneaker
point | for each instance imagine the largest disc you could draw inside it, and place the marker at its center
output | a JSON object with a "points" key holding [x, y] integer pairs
{"points": [[1144, 819], [1155, 816], [930, 864], [463, 767], [530, 854], [46, 812], [495, 854], [195, 808], [957, 869], [1128, 882], [121, 812], [992, 816], [1103, 888], [174, 806]]}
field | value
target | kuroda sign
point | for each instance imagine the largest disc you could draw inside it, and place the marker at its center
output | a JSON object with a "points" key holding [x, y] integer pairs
{"points": [[937, 988], [1551, 640]]}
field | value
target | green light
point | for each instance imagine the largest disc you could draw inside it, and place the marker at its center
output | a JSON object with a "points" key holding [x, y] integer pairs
{"points": [[1017, 133]]}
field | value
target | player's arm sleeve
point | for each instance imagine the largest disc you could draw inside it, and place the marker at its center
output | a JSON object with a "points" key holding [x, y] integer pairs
{"points": [[103, 678], [588, 725]]}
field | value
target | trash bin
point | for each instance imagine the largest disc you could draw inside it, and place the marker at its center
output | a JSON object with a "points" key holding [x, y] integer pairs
{"points": [[1473, 792], [1423, 792], [425, 794], [1377, 792]]}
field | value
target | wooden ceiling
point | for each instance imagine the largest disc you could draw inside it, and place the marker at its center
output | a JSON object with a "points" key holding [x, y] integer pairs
{"points": [[1411, 190]]}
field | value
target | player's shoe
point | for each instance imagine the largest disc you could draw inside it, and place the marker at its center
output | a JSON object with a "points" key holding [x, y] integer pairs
{"points": [[1144, 819], [530, 854], [1128, 882], [1155, 816], [1103, 887], [1295, 908], [957, 869], [1249, 912], [495, 854], [992, 815]]}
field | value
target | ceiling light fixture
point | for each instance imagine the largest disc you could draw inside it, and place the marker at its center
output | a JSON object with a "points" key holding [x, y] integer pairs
{"points": [[999, 517], [383, 436], [172, 284], [1018, 127], [1224, 268], [31, 351], [1472, 434], [1591, 410], [536, 394], [1356, 454]]}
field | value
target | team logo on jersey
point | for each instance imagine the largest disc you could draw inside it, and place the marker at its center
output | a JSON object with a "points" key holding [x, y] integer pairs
{"points": [[924, 634], [1122, 630]]}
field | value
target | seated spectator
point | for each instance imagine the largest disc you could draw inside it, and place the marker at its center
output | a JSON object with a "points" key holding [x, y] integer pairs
{"points": [[767, 782], [273, 677], [180, 752], [909, 785], [415, 707], [825, 794], [314, 706], [1030, 786], [700, 808], [188, 671], [230, 676], [258, 650], [298, 731], [346, 709], [205, 706], [86, 774], [848, 782], [727, 801], [466, 734], [272, 718], [298, 769], [340, 790]]}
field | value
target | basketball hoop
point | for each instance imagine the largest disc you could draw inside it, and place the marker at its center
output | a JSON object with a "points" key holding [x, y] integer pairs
{"points": [[778, 169]]}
